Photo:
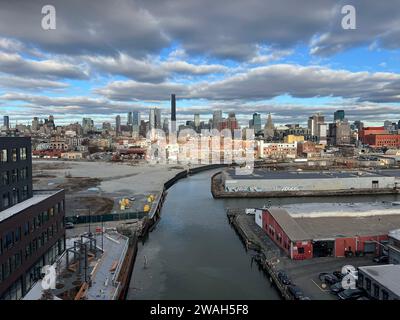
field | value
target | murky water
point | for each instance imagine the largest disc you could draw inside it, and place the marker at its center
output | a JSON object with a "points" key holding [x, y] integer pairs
{"points": [[195, 254]]}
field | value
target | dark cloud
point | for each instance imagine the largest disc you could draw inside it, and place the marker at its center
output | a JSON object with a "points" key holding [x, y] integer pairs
{"points": [[206, 27], [13, 63], [268, 82]]}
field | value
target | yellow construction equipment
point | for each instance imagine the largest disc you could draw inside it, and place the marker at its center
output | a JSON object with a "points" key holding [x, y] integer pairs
{"points": [[146, 208]]}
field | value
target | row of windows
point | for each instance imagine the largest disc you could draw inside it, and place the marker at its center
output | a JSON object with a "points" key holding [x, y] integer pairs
{"points": [[373, 289], [15, 155], [8, 240], [11, 198], [27, 280], [13, 176], [15, 261]]}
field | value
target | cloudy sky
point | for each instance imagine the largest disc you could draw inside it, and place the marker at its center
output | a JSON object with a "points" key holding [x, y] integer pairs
{"points": [[288, 57]]}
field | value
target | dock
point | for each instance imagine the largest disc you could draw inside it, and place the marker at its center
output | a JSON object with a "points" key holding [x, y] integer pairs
{"points": [[254, 238]]}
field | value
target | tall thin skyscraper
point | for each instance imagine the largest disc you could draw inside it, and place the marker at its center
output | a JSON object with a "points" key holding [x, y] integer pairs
{"points": [[130, 119], [256, 122], [196, 120], [6, 122], [118, 124], [217, 118], [173, 113]]}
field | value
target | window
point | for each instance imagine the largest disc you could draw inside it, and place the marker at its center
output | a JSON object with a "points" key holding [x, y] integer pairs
{"points": [[15, 196], [26, 228], [6, 200], [376, 291], [368, 282], [9, 240], [3, 155], [22, 153], [14, 154], [300, 250], [18, 234], [5, 177], [25, 192], [14, 175], [385, 295], [23, 173]]}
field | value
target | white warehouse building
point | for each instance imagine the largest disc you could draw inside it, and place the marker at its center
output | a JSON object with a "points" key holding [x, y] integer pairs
{"points": [[278, 181]]}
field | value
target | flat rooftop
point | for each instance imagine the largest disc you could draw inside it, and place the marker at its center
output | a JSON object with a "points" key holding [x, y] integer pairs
{"points": [[38, 196], [335, 227], [267, 174], [305, 228], [386, 275], [289, 225], [342, 209]]}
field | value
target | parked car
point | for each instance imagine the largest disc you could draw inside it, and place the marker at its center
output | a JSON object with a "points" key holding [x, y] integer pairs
{"points": [[381, 259], [69, 225], [328, 278], [336, 288], [351, 294], [338, 274], [295, 292], [283, 278]]}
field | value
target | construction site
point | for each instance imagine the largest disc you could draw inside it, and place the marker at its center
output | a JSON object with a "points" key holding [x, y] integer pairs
{"points": [[93, 267]]}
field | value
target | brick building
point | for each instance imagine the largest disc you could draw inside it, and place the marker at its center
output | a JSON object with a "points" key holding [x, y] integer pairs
{"points": [[32, 232]]}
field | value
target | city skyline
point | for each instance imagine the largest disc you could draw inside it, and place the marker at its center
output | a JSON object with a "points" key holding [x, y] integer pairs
{"points": [[311, 66]]}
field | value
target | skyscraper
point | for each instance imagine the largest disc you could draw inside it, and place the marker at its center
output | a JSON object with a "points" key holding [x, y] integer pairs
{"points": [[269, 127], [314, 121], [158, 123], [118, 124], [155, 118], [256, 122], [196, 120], [338, 115], [173, 113], [136, 118], [217, 118], [6, 122], [35, 124], [129, 121]]}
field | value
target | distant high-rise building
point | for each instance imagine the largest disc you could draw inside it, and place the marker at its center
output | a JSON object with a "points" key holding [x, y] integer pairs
{"points": [[217, 118], [338, 115], [269, 127], [35, 124], [165, 125], [313, 123], [256, 122], [152, 119], [173, 113], [6, 122], [197, 120], [155, 118], [118, 124], [340, 132], [129, 121], [231, 122], [136, 118], [87, 124]]}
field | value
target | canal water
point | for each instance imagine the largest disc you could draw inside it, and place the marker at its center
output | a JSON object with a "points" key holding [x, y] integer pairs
{"points": [[195, 254]]}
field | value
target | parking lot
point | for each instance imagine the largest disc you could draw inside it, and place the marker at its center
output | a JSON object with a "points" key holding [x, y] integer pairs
{"points": [[304, 273]]}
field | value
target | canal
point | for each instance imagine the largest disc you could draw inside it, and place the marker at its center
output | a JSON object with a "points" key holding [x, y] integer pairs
{"points": [[195, 254]]}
